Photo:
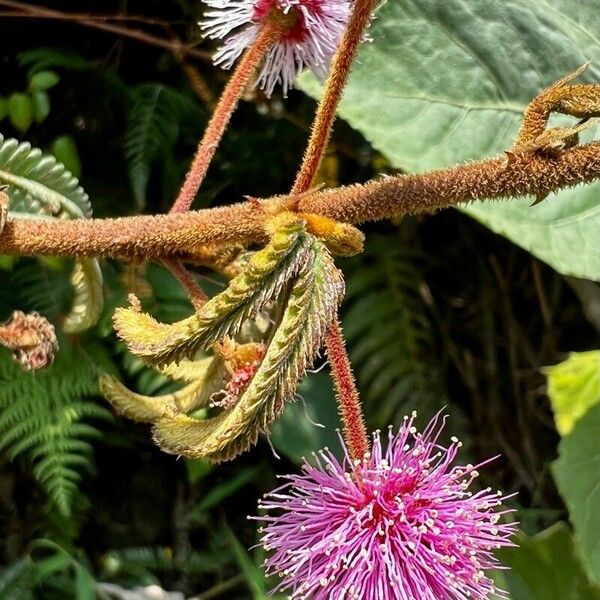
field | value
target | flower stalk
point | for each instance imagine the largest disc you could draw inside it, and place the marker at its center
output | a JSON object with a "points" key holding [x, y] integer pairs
{"points": [[243, 73], [334, 86], [355, 432]]}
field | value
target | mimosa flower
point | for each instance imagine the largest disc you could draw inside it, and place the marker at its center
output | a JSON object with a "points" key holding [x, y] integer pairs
{"points": [[400, 525], [310, 41]]}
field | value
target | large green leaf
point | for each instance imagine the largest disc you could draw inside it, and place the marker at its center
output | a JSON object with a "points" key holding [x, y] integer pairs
{"points": [[573, 388], [446, 82], [310, 423], [545, 567], [577, 473]]}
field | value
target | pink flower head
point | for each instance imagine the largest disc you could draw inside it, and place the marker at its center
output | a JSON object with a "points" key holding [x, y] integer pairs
{"points": [[399, 525], [309, 42]]}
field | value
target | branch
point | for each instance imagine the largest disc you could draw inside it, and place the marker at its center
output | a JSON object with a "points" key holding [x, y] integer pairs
{"points": [[25, 10], [178, 235]]}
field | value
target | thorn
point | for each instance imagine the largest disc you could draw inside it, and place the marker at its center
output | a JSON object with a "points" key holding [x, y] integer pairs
{"points": [[573, 75], [539, 198]]}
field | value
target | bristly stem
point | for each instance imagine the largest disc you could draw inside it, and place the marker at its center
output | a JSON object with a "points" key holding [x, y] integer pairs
{"points": [[334, 86], [184, 235], [355, 432], [228, 102]]}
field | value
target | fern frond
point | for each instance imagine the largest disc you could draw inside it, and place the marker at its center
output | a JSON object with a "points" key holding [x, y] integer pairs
{"points": [[389, 337], [308, 310], [44, 418], [248, 293], [17, 581], [151, 128], [153, 125], [40, 186]]}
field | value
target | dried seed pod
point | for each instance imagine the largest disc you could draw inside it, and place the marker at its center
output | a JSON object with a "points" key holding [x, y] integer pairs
{"points": [[31, 338]]}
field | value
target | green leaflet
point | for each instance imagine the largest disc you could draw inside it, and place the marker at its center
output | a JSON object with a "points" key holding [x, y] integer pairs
{"points": [[309, 310], [204, 378], [262, 281], [41, 187], [39, 184], [294, 273]]}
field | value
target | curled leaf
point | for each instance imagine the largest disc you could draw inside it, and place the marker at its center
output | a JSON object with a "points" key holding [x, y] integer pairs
{"points": [[309, 308], [294, 278], [248, 293], [86, 280], [204, 377], [38, 186]]}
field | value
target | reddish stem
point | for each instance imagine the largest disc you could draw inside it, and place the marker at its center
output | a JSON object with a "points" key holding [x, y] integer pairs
{"points": [[334, 86], [355, 432], [228, 102], [195, 293]]}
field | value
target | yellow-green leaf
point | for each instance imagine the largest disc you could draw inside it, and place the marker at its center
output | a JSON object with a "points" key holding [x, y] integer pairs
{"points": [[573, 388], [309, 309], [261, 282]]}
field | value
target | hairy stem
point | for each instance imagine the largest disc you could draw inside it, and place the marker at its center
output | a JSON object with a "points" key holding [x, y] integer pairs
{"points": [[334, 86], [355, 433], [228, 102], [182, 235]]}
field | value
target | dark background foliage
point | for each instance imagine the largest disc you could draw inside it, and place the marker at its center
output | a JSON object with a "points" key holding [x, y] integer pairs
{"points": [[440, 312]]}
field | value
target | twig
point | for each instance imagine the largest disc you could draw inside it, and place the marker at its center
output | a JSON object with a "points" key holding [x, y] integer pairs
{"points": [[334, 86], [174, 46], [355, 433], [195, 293]]}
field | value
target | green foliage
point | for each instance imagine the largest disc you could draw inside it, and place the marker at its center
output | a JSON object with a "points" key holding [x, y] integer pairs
{"points": [[40, 186], [43, 417], [577, 473], [16, 581], [389, 336], [47, 571], [574, 388], [450, 88], [310, 422], [33, 105], [154, 122], [546, 567], [20, 111]]}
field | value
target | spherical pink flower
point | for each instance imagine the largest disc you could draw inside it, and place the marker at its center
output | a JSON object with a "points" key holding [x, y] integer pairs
{"points": [[309, 42], [402, 524]]}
